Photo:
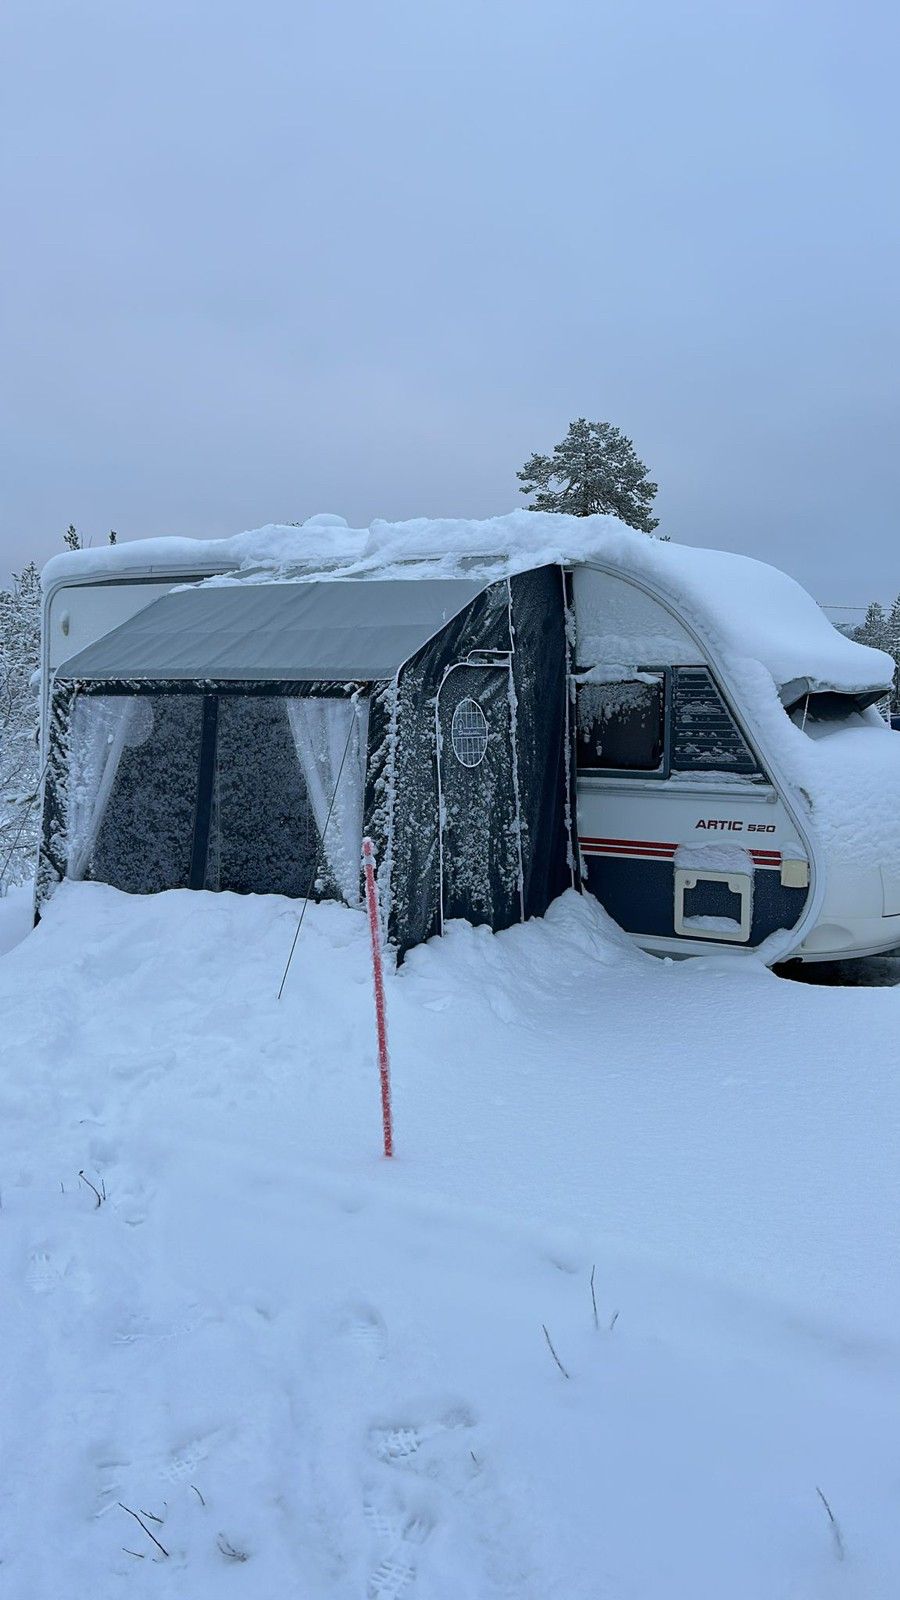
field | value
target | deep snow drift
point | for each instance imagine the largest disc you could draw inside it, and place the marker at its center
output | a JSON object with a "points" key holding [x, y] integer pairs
{"points": [[326, 1376]]}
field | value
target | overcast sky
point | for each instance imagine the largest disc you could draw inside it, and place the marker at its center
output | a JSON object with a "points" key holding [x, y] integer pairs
{"points": [[261, 260]]}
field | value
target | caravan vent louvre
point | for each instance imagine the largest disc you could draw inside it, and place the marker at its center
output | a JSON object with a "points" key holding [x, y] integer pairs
{"points": [[705, 735], [469, 733]]}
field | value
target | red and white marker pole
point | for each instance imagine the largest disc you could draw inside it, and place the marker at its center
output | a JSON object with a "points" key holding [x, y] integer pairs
{"points": [[384, 1066]]}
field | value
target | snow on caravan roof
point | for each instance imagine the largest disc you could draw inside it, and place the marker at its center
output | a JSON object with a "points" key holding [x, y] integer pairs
{"points": [[746, 608], [742, 607], [307, 631]]}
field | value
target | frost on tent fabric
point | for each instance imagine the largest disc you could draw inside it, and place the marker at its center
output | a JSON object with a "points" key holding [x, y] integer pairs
{"points": [[98, 733], [479, 815], [330, 739]]}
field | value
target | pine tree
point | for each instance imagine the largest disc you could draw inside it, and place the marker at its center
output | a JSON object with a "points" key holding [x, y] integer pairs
{"points": [[73, 541], [892, 644], [874, 627], [594, 468]]}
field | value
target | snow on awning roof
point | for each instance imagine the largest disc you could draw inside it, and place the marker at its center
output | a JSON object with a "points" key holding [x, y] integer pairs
{"points": [[339, 631]]}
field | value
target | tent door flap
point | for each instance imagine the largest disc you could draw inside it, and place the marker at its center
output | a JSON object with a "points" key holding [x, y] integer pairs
{"points": [[478, 822]]}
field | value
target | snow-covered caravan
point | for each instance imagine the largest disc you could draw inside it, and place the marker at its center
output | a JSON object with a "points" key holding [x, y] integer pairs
{"points": [[508, 706], [736, 784]]}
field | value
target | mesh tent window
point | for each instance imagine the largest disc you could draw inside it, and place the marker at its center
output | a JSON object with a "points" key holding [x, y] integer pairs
{"points": [[214, 793]]}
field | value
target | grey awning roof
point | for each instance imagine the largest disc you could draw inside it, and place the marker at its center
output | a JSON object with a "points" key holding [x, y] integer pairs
{"points": [[349, 629]]}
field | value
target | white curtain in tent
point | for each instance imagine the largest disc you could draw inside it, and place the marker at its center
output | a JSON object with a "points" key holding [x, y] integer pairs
{"points": [[98, 733], [330, 738]]}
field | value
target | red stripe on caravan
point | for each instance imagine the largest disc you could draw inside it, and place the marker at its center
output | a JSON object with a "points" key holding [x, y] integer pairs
{"points": [[649, 849], [632, 851], [628, 844]]}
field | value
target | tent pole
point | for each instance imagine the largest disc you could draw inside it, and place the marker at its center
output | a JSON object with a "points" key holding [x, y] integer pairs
{"points": [[205, 779]]}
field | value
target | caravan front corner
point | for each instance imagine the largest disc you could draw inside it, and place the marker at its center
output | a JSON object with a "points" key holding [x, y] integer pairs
{"points": [[736, 786]]}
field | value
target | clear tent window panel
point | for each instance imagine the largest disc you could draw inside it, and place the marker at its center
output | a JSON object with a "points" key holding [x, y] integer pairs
{"points": [[263, 837], [330, 737], [140, 839], [98, 730]]}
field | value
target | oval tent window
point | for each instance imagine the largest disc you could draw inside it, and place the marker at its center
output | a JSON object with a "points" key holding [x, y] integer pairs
{"points": [[469, 733]]}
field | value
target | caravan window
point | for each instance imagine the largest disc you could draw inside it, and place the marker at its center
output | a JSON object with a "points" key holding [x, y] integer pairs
{"points": [[621, 725]]}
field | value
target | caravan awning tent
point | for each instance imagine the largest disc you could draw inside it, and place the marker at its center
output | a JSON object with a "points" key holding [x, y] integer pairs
{"points": [[242, 735], [336, 632]]}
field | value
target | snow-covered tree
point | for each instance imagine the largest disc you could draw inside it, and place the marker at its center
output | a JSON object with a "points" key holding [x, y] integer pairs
{"points": [[73, 540], [594, 468], [874, 627], [892, 645], [892, 630], [881, 629], [20, 633]]}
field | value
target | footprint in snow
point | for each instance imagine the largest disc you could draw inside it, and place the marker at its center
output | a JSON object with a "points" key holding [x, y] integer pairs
{"points": [[362, 1330], [401, 1538], [42, 1274], [182, 1464], [438, 1450], [401, 1442], [48, 1271]]}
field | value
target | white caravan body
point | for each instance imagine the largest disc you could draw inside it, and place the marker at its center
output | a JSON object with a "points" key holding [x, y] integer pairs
{"points": [[769, 817], [735, 787]]}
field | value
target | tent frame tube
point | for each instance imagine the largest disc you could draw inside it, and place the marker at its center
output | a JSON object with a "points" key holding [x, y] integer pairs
{"points": [[259, 687], [206, 775]]}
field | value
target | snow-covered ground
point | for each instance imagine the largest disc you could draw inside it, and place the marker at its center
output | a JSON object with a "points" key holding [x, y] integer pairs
{"points": [[310, 1372]]}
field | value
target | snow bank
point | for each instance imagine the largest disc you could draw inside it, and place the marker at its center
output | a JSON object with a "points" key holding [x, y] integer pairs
{"points": [[744, 607], [314, 1373]]}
